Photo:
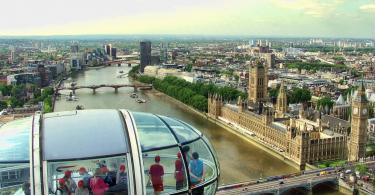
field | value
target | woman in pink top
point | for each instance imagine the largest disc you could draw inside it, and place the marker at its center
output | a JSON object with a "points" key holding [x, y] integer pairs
{"points": [[97, 184]]}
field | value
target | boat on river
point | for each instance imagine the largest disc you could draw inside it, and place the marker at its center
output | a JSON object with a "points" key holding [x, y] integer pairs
{"points": [[134, 95], [71, 98], [140, 101], [79, 107]]}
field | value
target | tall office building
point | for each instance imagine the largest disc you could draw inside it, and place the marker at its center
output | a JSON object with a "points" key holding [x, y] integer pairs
{"points": [[164, 52], [74, 48], [114, 52], [145, 58], [43, 75], [108, 49], [11, 57]]}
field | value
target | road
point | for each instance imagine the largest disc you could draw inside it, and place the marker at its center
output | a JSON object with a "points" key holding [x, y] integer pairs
{"points": [[303, 180]]}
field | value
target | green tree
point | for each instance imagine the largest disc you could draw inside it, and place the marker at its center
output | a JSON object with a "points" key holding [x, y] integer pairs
{"points": [[274, 92], [325, 101], [15, 102], [189, 67], [361, 168], [193, 94], [200, 102], [19, 91], [47, 91], [316, 66], [3, 105], [134, 71], [47, 103], [298, 95], [6, 90]]}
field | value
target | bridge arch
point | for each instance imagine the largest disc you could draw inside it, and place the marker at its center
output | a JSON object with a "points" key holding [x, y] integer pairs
{"points": [[300, 190], [325, 185]]}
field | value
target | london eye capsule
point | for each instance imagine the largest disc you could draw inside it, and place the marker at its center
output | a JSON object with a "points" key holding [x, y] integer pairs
{"points": [[126, 152]]}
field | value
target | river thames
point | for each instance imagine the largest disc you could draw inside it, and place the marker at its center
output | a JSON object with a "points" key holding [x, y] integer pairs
{"points": [[239, 159]]}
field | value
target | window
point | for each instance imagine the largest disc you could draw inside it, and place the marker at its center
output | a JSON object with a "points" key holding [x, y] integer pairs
{"points": [[14, 175], [152, 131], [210, 189], [209, 164], [164, 171], [110, 175]]}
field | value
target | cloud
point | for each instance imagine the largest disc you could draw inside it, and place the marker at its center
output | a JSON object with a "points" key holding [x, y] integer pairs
{"points": [[314, 8], [368, 8]]}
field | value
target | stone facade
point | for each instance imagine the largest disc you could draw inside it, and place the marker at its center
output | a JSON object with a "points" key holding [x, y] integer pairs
{"points": [[258, 83], [300, 139], [358, 140]]}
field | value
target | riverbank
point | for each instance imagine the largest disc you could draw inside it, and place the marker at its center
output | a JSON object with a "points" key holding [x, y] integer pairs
{"points": [[55, 93], [341, 187], [232, 130]]}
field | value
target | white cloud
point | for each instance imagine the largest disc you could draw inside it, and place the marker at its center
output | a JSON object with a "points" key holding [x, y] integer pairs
{"points": [[368, 7], [314, 8]]}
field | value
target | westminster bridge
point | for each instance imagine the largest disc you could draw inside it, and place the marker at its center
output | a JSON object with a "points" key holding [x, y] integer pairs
{"points": [[280, 185]]}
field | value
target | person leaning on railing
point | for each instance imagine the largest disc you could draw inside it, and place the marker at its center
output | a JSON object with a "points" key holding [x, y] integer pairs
{"points": [[196, 169]]}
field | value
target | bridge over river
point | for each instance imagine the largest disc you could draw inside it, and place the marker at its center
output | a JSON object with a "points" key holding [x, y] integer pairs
{"points": [[136, 87], [305, 182]]}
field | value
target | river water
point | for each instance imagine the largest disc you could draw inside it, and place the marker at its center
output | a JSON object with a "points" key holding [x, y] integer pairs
{"points": [[239, 159]]}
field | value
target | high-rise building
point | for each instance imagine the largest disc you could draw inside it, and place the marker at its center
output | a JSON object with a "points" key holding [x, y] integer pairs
{"points": [[164, 53], [108, 49], [145, 54], [11, 57], [114, 52], [74, 48], [258, 83], [44, 80], [358, 134]]}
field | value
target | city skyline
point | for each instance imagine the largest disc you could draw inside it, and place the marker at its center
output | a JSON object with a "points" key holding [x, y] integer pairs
{"points": [[285, 18]]}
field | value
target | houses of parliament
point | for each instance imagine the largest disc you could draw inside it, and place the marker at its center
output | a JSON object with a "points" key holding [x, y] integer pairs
{"points": [[304, 137]]}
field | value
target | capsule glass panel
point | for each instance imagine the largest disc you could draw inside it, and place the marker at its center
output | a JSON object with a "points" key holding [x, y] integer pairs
{"points": [[98, 175], [152, 131], [183, 132], [202, 166], [165, 171], [14, 140]]}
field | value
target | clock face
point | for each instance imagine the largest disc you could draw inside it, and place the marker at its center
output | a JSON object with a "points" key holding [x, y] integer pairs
{"points": [[364, 111], [355, 111]]}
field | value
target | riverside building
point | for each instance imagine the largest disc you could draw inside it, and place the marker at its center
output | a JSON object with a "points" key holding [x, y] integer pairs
{"points": [[309, 137]]}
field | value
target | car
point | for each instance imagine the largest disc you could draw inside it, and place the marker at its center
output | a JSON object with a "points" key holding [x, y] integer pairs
{"points": [[281, 182], [348, 171]]}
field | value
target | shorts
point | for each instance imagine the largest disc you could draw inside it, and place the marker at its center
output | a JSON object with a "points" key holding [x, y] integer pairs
{"points": [[158, 187]]}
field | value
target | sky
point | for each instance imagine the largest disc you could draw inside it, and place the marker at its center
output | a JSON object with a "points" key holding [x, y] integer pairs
{"points": [[292, 18]]}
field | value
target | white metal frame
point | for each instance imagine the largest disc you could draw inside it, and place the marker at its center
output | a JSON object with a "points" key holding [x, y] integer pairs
{"points": [[35, 160], [136, 153]]}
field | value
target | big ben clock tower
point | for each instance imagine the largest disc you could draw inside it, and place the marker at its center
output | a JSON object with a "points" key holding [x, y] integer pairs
{"points": [[358, 135]]}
